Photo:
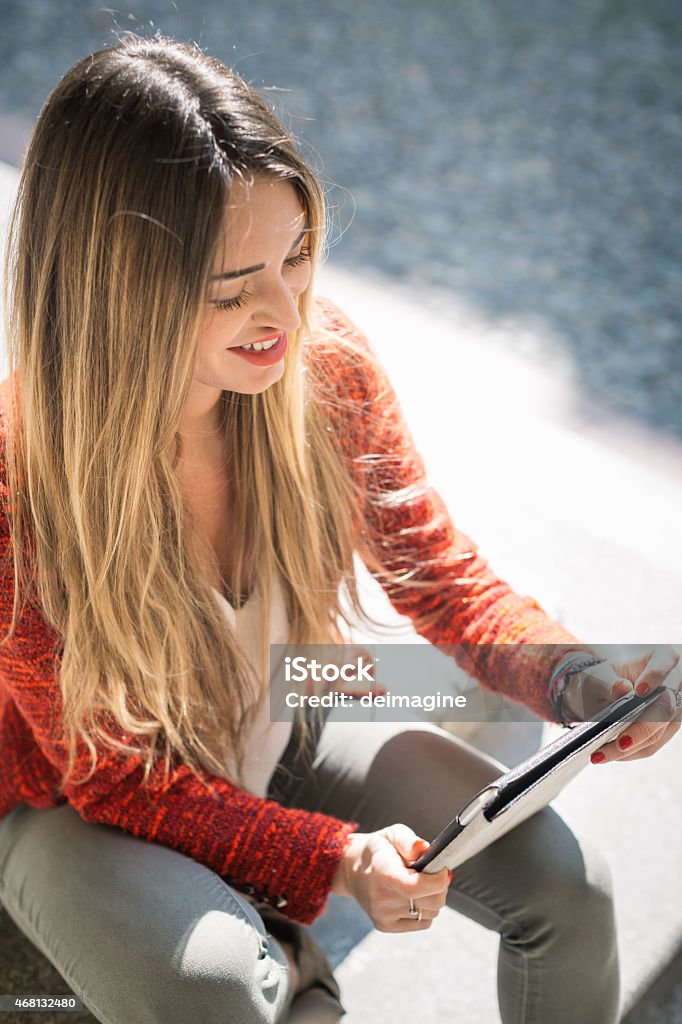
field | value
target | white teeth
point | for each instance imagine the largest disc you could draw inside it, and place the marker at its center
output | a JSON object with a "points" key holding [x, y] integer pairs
{"points": [[260, 346]]}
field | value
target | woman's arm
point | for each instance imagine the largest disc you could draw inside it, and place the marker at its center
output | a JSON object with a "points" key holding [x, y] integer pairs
{"points": [[450, 592], [256, 845]]}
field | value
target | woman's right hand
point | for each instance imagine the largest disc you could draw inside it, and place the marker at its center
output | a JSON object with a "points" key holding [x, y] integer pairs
{"points": [[373, 871]]}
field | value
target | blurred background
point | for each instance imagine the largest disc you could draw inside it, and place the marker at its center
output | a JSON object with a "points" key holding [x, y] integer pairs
{"points": [[505, 192], [504, 186], [520, 161]]}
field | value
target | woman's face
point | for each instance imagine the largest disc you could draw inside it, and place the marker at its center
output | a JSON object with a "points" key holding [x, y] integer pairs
{"points": [[262, 266]]}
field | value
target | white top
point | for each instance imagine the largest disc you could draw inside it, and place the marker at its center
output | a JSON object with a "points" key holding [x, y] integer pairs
{"points": [[267, 740]]}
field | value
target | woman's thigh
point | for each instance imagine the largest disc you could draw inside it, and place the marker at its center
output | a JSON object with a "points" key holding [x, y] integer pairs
{"points": [[139, 931], [381, 773], [542, 887]]}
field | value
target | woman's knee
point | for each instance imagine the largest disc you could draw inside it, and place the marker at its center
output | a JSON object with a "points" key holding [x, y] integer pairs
{"points": [[214, 980], [558, 875], [215, 963], [137, 930]]}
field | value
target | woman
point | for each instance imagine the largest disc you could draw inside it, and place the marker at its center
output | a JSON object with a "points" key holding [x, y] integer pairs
{"points": [[193, 451]]}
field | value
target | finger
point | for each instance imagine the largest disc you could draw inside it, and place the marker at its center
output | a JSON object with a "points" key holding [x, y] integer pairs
{"points": [[628, 743], [431, 905], [431, 901], [634, 738], [621, 688], [409, 882], [598, 687], [408, 844], [648, 724], [666, 736], [641, 739], [412, 882], [631, 665], [425, 913], [662, 663], [425, 889], [593, 689], [389, 911], [402, 847]]}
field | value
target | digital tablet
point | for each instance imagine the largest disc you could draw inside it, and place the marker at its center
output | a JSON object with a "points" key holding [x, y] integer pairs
{"points": [[530, 786]]}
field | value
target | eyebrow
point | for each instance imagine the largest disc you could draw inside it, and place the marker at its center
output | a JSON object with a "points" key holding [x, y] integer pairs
{"points": [[229, 274]]}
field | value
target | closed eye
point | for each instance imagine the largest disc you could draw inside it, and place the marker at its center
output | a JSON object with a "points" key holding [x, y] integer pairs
{"points": [[237, 301], [234, 303], [302, 257]]}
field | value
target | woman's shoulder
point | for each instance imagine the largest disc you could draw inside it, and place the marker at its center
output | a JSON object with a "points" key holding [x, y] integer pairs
{"points": [[339, 353], [329, 318], [333, 330]]}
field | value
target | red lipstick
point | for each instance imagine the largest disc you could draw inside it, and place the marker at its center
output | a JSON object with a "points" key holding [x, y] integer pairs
{"points": [[266, 357]]}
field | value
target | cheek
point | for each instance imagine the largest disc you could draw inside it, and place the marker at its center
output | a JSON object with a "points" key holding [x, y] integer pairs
{"points": [[216, 333], [300, 279]]}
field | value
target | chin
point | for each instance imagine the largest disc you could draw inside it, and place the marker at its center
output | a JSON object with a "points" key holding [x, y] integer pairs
{"points": [[261, 381]]}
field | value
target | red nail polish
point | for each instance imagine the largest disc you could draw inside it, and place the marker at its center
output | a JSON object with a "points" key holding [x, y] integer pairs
{"points": [[451, 874], [624, 742], [642, 689], [598, 757]]}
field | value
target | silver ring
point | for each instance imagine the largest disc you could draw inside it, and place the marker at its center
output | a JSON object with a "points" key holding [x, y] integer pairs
{"points": [[415, 911], [678, 698]]}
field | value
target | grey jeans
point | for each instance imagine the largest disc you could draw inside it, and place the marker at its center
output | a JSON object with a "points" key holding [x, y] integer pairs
{"points": [[142, 933]]}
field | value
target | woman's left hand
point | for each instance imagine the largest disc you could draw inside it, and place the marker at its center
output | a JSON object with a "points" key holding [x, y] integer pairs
{"points": [[593, 689]]}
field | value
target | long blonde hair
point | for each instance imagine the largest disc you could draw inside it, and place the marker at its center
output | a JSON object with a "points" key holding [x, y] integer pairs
{"points": [[119, 208]]}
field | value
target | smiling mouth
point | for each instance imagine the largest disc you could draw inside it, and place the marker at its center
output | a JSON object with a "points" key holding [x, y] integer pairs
{"points": [[260, 346], [264, 352]]}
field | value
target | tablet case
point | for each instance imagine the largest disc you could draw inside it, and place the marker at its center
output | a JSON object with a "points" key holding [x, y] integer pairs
{"points": [[530, 786]]}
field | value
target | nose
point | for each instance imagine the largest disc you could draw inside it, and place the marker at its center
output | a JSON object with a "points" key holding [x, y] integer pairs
{"points": [[278, 308]]}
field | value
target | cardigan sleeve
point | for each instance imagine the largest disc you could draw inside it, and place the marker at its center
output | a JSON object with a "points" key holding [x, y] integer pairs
{"points": [[286, 857], [431, 571]]}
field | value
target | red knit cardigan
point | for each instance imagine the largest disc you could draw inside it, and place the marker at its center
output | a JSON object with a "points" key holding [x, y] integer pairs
{"points": [[287, 856]]}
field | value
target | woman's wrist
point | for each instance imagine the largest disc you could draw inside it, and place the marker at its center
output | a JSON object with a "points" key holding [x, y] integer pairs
{"points": [[571, 665], [340, 886]]}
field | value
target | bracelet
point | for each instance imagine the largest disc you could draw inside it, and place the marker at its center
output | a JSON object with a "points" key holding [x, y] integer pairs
{"points": [[559, 681]]}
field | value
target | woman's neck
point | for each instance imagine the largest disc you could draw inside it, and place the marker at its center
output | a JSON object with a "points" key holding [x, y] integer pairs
{"points": [[206, 459], [201, 416]]}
